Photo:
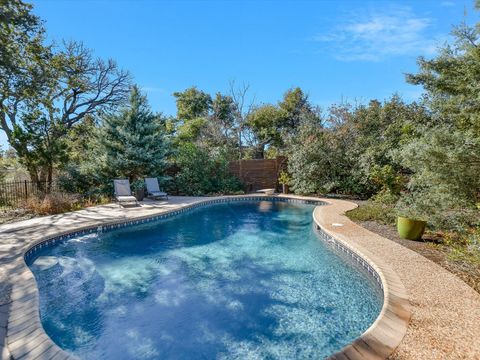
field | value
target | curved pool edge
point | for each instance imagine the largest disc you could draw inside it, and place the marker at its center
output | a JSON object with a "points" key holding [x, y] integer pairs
{"points": [[27, 339], [381, 339]]}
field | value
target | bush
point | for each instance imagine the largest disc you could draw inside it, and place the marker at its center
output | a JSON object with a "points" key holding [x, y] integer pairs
{"points": [[203, 173], [87, 183], [53, 203], [58, 202], [464, 247], [445, 185]]}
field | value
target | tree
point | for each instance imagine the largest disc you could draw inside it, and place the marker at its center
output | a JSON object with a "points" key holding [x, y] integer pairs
{"points": [[451, 81], [3, 166], [308, 160], [45, 90], [350, 150], [208, 122], [192, 104], [265, 123], [222, 126], [272, 125], [380, 128], [319, 157], [25, 75], [19, 29], [444, 159], [133, 141], [445, 184], [297, 110], [193, 108], [241, 112]]}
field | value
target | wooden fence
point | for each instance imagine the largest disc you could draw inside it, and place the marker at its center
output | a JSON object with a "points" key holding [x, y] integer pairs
{"points": [[258, 173]]}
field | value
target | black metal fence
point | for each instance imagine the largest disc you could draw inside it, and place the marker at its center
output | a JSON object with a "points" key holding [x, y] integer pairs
{"points": [[13, 194]]}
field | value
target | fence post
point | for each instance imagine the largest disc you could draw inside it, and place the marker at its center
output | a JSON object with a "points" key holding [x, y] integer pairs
{"points": [[26, 190]]}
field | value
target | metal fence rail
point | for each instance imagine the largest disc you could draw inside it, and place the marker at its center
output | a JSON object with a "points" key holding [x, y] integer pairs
{"points": [[15, 193]]}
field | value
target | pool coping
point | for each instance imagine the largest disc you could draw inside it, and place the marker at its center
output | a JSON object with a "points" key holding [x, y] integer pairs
{"points": [[386, 333], [26, 338]]}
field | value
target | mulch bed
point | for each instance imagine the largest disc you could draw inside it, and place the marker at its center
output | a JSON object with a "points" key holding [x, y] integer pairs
{"points": [[432, 250]]}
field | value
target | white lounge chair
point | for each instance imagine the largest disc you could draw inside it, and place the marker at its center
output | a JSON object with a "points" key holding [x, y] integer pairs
{"points": [[123, 193], [153, 189]]}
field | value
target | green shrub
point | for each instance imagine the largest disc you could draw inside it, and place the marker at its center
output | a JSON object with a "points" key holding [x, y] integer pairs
{"points": [[86, 183], [203, 173]]}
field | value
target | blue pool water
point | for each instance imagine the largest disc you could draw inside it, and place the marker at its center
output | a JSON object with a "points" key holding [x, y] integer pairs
{"points": [[239, 280]]}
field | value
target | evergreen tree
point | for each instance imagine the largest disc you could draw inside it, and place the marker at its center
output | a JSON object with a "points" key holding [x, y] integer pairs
{"points": [[445, 158], [133, 141]]}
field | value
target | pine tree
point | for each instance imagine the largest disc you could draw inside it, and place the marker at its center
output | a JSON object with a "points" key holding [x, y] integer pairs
{"points": [[133, 141]]}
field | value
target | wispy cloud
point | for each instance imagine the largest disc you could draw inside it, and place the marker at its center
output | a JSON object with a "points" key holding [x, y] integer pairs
{"points": [[380, 34]]}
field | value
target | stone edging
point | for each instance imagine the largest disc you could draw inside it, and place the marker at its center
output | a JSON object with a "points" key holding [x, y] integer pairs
{"points": [[27, 339], [382, 338]]}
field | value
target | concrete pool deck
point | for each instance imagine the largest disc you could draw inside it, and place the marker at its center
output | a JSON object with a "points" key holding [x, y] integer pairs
{"points": [[439, 312]]}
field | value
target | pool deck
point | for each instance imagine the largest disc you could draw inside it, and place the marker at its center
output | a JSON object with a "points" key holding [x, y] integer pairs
{"points": [[429, 312]]}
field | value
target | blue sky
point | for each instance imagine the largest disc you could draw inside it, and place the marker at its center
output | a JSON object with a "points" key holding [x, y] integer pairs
{"points": [[334, 50]]}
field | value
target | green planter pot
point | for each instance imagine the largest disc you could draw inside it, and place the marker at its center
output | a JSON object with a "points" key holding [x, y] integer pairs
{"points": [[410, 229]]}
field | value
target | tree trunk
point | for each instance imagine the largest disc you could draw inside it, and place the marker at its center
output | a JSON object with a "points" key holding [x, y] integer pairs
{"points": [[32, 171], [49, 178], [35, 178], [259, 151]]}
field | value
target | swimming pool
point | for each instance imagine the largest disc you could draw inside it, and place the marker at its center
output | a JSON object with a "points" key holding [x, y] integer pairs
{"points": [[246, 279]]}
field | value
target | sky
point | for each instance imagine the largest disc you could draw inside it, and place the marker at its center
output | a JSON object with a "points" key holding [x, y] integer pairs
{"points": [[334, 50]]}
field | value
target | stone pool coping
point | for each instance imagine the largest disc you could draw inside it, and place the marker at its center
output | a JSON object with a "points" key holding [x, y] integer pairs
{"points": [[25, 338], [382, 338]]}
